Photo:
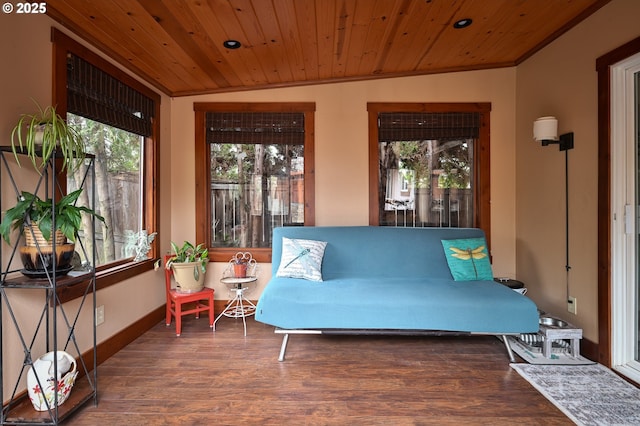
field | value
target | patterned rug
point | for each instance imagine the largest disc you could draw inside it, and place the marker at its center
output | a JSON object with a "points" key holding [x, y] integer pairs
{"points": [[587, 394]]}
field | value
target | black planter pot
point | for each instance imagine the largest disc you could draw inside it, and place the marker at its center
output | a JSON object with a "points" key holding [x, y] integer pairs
{"points": [[37, 261]]}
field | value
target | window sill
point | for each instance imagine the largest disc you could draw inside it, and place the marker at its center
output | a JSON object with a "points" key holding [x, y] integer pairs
{"points": [[106, 278], [225, 254]]}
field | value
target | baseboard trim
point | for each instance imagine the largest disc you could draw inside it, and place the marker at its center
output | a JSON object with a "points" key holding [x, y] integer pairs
{"points": [[589, 349], [219, 305]]}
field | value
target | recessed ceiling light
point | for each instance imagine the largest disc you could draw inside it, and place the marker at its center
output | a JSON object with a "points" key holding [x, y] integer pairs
{"points": [[231, 44], [462, 23]]}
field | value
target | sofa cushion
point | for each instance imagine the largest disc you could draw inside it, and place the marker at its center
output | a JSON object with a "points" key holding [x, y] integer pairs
{"points": [[468, 259], [301, 259], [403, 303], [376, 251]]}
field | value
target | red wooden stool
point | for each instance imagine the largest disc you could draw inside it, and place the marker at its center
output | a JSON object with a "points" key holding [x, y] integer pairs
{"points": [[203, 300]]}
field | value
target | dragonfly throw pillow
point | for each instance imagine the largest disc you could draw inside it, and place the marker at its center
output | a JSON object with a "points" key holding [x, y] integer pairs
{"points": [[301, 259], [468, 259]]}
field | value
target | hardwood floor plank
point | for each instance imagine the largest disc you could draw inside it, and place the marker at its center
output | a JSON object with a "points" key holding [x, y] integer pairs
{"points": [[224, 378]]}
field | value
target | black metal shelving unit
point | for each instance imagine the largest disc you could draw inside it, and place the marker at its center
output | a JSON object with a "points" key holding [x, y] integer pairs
{"points": [[51, 315]]}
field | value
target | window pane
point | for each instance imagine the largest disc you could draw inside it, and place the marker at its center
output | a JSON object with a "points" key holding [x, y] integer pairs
{"points": [[426, 183], [254, 188], [118, 169]]}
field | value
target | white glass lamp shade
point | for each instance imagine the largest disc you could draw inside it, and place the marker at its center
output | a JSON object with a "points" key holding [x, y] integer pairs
{"points": [[545, 128]]}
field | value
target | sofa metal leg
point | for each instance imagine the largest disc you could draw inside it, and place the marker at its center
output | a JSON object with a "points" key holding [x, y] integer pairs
{"points": [[508, 346], [283, 348]]}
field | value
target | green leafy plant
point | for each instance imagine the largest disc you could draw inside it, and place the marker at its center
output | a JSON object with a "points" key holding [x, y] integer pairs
{"points": [[39, 135], [32, 209], [187, 253]]}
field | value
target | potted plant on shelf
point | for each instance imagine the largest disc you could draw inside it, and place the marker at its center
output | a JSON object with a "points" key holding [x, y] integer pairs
{"points": [[39, 135], [189, 265], [35, 217]]}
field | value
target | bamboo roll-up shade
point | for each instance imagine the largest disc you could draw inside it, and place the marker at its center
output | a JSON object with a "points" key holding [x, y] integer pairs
{"points": [[412, 126], [94, 94], [255, 127]]}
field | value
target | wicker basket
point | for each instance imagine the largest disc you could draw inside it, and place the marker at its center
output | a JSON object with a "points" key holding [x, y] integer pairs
{"points": [[32, 234]]}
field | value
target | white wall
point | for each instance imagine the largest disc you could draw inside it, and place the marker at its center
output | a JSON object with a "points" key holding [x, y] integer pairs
{"points": [[341, 149], [560, 80], [26, 75]]}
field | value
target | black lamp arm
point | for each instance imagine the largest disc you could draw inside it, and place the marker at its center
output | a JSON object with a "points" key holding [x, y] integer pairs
{"points": [[565, 141]]}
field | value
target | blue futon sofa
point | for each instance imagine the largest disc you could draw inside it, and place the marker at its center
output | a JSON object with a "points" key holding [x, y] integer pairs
{"points": [[388, 280]]}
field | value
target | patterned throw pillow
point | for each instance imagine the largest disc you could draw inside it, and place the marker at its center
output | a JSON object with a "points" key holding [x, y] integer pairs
{"points": [[468, 259], [301, 259]]}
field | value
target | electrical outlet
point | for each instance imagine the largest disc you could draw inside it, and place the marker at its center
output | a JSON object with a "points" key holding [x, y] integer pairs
{"points": [[99, 314], [572, 305]]}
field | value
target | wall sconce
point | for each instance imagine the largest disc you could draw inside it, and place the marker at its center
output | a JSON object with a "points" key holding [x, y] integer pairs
{"points": [[545, 130]]}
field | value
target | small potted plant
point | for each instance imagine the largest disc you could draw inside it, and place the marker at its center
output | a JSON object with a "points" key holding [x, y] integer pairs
{"points": [[39, 135], [189, 265], [34, 217], [239, 267]]}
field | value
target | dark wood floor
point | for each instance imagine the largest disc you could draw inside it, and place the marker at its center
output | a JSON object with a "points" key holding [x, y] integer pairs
{"points": [[223, 378]]}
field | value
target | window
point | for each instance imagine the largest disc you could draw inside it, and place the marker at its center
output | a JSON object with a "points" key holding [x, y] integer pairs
{"points": [[257, 160], [119, 118], [118, 171], [429, 165]]}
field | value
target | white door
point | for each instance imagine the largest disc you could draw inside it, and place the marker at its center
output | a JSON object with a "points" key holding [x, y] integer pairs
{"points": [[625, 190]]}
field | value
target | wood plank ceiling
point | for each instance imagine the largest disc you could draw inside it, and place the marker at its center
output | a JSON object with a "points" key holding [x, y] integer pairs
{"points": [[177, 45]]}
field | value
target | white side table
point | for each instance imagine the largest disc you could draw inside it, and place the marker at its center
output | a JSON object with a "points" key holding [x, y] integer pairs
{"points": [[239, 306]]}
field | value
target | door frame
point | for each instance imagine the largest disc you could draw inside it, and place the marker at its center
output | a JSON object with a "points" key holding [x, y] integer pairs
{"points": [[603, 68], [624, 273]]}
